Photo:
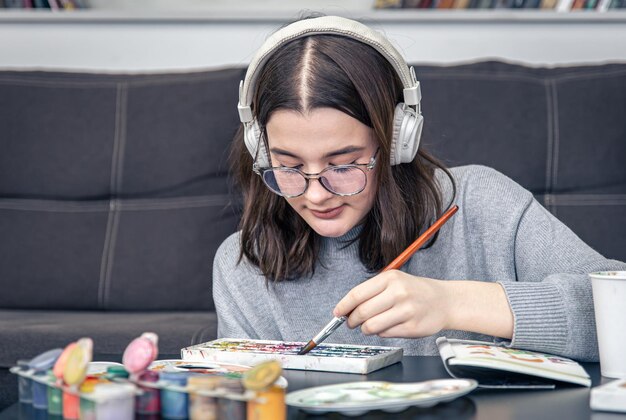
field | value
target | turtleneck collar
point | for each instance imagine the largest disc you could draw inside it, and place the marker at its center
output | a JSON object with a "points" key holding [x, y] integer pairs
{"points": [[341, 245]]}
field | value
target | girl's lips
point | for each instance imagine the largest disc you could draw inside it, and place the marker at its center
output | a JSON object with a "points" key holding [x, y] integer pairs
{"points": [[328, 214]]}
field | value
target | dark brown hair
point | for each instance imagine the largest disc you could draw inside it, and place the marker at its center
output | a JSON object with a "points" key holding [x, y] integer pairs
{"points": [[350, 76]]}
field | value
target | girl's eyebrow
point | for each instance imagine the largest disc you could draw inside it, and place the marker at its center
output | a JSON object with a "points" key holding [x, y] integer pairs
{"points": [[342, 151]]}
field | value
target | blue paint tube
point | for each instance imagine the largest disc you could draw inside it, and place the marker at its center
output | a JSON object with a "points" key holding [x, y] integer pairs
{"points": [[40, 391], [174, 404]]}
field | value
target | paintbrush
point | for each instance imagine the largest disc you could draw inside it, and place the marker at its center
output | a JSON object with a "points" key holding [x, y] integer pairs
{"points": [[394, 265]]}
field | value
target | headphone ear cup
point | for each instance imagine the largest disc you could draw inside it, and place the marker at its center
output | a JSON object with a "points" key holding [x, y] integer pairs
{"points": [[252, 139], [407, 130]]}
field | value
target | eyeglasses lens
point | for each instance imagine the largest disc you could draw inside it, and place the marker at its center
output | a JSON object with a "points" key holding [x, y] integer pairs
{"points": [[286, 181], [339, 180]]}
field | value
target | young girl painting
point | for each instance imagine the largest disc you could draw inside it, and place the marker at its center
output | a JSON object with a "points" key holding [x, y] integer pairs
{"points": [[335, 186]]}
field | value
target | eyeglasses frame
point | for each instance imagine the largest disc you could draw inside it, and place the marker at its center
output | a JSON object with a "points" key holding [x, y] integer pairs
{"points": [[308, 176]]}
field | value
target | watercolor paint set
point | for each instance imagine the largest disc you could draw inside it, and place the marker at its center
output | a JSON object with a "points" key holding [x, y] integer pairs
{"points": [[327, 357]]}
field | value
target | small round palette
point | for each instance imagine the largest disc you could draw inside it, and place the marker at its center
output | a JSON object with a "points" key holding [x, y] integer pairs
{"points": [[356, 398], [177, 365], [209, 368]]}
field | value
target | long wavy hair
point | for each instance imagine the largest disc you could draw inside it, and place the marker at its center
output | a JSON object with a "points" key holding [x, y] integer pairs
{"points": [[336, 72]]}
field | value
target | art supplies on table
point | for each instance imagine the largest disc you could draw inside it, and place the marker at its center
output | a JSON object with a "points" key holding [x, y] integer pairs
{"points": [[24, 383], [495, 366], [149, 401], [213, 368], [342, 358], [79, 388], [210, 389], [227, 370], [89, 394], [142, 351], [263, 381], [101, 369], [67, 382], [39, 367], [610, 396], [71, 370], [356, 398]]}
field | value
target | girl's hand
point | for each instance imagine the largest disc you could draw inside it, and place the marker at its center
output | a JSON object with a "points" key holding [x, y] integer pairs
{"points": [[396, 304]]}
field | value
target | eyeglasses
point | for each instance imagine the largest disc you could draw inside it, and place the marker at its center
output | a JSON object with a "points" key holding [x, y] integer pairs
{"points": [[343, 180]]}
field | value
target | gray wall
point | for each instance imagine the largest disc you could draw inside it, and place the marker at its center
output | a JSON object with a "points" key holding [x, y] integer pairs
{"points": [[156, 39]]}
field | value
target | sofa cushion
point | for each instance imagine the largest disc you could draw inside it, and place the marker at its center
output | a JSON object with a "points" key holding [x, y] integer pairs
{"points": [[27, 333], [113, 188]]}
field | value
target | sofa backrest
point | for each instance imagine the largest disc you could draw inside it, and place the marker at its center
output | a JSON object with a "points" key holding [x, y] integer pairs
{"points": [[560, 132], [114, 192]]}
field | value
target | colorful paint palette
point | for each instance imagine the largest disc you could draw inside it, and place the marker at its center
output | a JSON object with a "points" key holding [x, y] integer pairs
{"points": [[327, 357], [212, 368], [356, 398], [229, 370]]}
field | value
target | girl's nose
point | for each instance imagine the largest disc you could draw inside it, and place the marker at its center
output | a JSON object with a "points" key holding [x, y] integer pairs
{"points": [[316, 193]]}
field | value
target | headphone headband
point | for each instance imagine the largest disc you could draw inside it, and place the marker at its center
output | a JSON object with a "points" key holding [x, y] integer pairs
{"points": [[326, 25]]}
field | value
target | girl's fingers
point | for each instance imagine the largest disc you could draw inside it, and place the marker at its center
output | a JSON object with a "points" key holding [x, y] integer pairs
{"points": [[396, 331], [385, 321], [370, 308], [359, 294]]}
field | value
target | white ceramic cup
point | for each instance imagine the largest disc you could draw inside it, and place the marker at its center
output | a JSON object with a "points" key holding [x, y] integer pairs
{"points": [[609, 301]]}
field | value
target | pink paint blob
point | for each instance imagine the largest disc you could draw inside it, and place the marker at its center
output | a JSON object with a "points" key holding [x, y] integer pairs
{"points": [[140, 353]]}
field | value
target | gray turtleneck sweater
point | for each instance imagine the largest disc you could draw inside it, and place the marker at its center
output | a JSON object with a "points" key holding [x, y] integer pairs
{"points": [[500, 234]]}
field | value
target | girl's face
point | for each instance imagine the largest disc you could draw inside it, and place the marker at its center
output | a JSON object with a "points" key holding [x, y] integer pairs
{"points": [[312, 142]]}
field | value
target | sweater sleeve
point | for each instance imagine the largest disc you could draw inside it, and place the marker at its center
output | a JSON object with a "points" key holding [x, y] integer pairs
{"points": [[551, 299], [231, 320]]}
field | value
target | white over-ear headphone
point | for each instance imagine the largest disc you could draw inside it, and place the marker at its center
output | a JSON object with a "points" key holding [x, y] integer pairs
{"points": [[408, 122]]}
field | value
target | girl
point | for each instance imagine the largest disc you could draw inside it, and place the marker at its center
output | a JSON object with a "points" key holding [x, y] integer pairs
{"points": [[335, 187]]}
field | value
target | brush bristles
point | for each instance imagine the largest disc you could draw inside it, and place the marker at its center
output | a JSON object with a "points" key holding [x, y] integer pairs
{"points": [[309, 346]]}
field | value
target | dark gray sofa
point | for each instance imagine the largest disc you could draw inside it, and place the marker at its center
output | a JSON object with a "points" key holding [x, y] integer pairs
{"points": [[114, 194]]}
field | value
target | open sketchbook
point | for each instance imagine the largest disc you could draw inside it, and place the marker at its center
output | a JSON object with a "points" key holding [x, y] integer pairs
{"points": [[496, 366]]}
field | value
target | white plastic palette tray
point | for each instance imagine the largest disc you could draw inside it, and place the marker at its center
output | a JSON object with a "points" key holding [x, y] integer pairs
{"points": [[356, 398], [343, 358]]}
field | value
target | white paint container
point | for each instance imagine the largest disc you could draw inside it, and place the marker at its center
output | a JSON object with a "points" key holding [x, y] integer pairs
{"points": [[114, 401]]}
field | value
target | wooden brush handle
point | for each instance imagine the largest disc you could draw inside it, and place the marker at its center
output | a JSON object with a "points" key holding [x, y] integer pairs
{"points": [[421, 240]]}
